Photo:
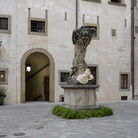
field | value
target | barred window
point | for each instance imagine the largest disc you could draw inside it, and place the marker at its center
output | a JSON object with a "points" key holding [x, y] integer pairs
{"points": [[64, 76], [37, 26], [117, 1], [124, 81], [4, 23]]}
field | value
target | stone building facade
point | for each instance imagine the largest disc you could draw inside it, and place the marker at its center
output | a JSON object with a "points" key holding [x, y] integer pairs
{"points": [[39, 33]]}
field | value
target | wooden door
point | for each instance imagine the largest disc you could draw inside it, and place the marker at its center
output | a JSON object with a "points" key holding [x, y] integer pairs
{"points": [[47, 88]]}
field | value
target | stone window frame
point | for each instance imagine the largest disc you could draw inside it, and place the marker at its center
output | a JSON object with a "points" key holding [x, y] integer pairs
{"points": [[37, 33], [9, 24], [59, 76], [97, 1], [117, 4], [6, 76], [128, 73], [97, 72], [95, 25]]}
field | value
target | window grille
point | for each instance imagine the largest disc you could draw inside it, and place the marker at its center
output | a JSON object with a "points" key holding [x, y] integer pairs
{"points": [[4, 23], [116, 1], [38, 26], [123, 97], [124, 81], [64, 76]]}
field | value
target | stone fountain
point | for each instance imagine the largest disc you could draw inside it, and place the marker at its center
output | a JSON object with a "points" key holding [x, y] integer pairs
{"points": [[78, 94]]}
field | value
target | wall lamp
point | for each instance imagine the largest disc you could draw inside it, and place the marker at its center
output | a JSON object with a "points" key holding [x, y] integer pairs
{"points": [[28, 67], [0, 42]]}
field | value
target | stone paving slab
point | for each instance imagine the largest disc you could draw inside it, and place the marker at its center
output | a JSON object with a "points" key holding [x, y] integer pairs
{"points": [[34, 120]]}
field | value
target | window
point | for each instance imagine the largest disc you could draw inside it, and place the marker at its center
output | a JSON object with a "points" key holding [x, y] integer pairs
{"points": [[37, 26], [117, 1], [96, 26], [63, 75], [5, 24], [113, 32], [3, 76], [95, 72], [123, 97], [124, 81]]}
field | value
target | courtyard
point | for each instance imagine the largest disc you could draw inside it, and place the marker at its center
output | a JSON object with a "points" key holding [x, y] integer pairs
{"points": [[34, 120]]}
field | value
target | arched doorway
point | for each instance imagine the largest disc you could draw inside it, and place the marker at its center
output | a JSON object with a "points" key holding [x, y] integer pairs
{"points": [[34, 84]]}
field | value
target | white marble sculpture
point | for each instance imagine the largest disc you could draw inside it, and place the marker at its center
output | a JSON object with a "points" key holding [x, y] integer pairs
{"points": [[85, 77]]}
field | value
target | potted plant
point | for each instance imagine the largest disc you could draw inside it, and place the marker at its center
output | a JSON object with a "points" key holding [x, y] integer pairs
{"points": [[2, 94]]}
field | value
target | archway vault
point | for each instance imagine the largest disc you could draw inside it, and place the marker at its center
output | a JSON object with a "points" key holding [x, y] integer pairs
{"points": [[52, 72]]}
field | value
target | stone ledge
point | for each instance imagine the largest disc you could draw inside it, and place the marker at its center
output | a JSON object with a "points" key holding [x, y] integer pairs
{"points": [[98, 1], [80, 86], [80, 107], [117, 4]]}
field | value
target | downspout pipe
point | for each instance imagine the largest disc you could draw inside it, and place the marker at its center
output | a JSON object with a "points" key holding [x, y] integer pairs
{"points": [[132, 47], [76, 14]]}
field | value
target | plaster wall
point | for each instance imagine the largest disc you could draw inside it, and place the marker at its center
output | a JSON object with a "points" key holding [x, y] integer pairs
{"points": [[112, 54]]}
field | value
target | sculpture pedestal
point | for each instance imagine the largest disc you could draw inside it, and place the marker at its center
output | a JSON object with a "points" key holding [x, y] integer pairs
{"points": [[80, 96]]}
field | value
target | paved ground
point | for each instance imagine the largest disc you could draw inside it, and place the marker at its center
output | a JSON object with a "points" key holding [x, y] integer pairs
{"points": [[34, 120]]}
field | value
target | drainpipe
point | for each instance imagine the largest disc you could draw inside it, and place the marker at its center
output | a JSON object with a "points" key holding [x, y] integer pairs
{"points": [[132, 47], [76, 13]]}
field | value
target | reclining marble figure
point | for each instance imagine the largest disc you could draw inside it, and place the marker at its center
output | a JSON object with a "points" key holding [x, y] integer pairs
{"points": [[85, 77], [81, 38]]}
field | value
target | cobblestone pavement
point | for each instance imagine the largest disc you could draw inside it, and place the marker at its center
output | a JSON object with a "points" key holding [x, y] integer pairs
{"points": [[34, 120]]}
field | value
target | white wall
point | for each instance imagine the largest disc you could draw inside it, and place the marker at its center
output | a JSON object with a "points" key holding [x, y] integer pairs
{"points": [[112, 54]]}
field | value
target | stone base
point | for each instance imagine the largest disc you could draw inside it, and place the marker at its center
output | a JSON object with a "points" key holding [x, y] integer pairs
{"points": [[81, 97], [80, 107]]}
